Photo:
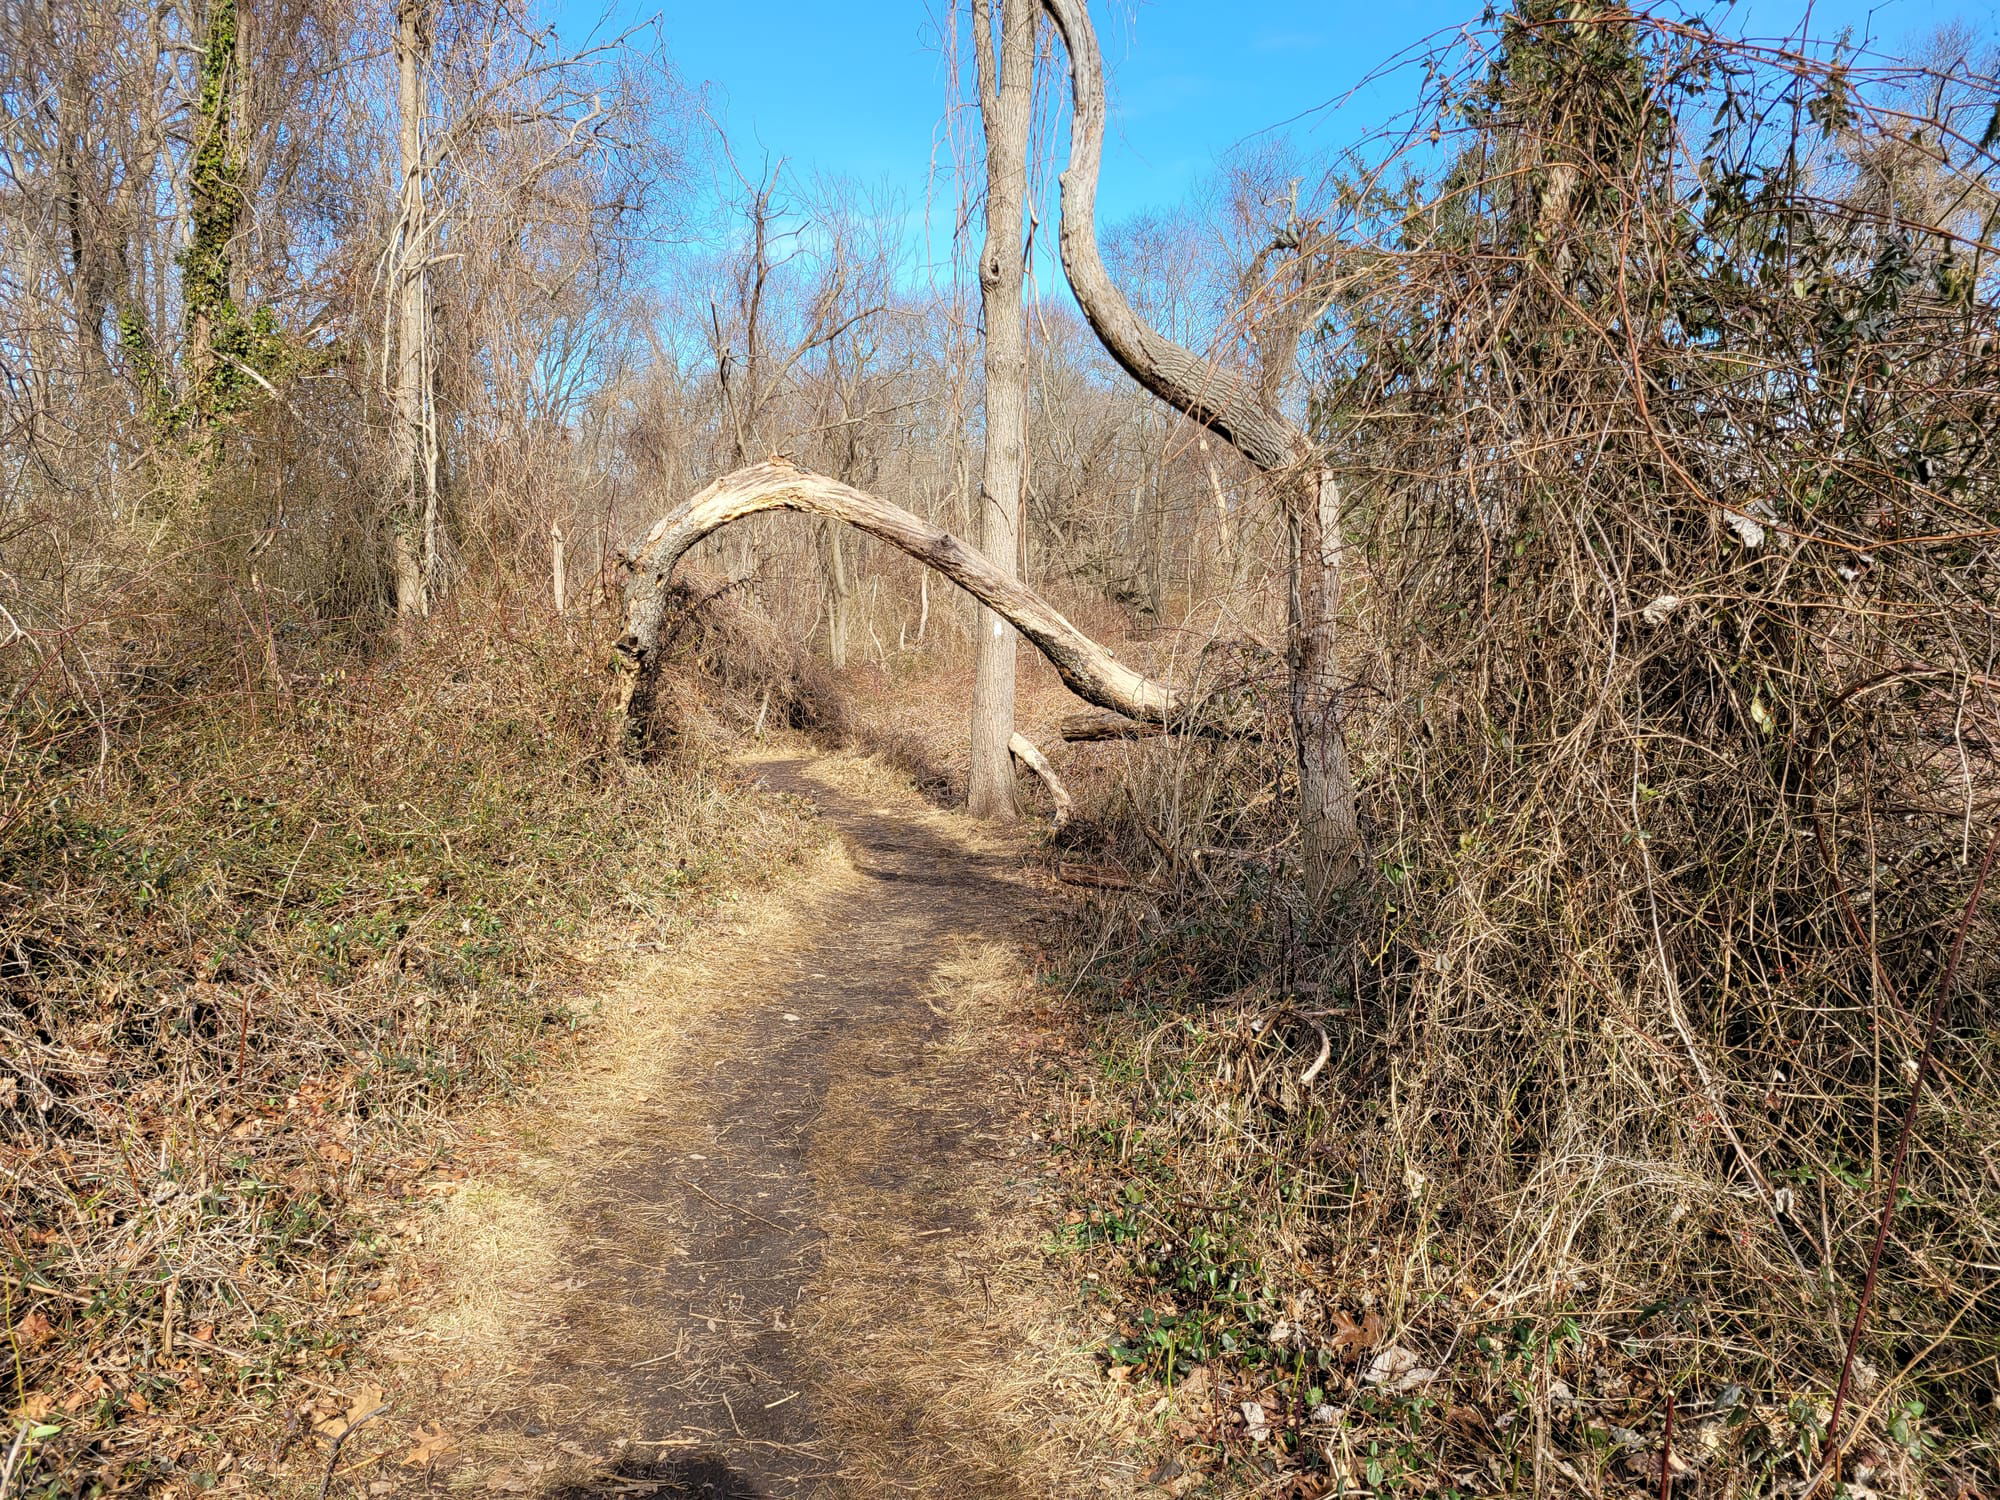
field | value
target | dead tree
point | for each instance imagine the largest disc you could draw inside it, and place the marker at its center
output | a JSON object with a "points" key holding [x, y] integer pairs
{"points": [[1086, 668], [1004, 90], [1220, 399]]}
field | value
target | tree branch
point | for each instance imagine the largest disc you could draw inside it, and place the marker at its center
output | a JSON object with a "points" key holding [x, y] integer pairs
{"points": [[1025, 751], [1086, 668], [1089, 728], [1205, 390]]}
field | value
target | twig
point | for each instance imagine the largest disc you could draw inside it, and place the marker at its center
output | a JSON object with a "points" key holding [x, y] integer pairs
{"points": [[1325, 1052], [333, 1458], [737, 1209], [48, 1291], [1830, 1448], [1667, 1451], [1098, 877], [13, 1458]]}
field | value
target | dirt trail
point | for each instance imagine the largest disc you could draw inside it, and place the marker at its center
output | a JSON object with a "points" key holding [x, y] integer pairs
{"points": [[782, 1242]]}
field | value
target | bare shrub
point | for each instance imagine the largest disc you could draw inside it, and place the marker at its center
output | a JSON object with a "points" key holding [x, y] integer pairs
{"points": [[1662, 399]]}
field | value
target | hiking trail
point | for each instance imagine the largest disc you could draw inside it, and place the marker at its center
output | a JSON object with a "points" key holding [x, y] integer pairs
{"points": [[780, 1233]]}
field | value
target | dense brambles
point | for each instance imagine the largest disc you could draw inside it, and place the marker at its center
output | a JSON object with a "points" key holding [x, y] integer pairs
{"points": [[1661, 397]]}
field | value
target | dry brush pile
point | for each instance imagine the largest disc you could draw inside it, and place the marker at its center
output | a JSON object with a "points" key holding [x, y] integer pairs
{"points": [[1657, 1057]]}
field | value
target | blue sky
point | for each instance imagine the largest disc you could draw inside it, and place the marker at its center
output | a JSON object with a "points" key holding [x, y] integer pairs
{"points": [[859, 89]]}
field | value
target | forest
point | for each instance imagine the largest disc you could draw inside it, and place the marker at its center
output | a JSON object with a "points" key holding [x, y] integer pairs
{"points": [[670, 826]]}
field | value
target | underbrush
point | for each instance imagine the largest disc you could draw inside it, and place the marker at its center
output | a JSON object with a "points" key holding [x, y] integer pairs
{"points": [[1637, 1105], [1303, 1194], [1582, 1119], [266, 925], [1584, 1113]]}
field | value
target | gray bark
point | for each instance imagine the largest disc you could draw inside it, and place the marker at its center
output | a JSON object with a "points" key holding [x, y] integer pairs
{"points": [[1004, 95], [413, 509], [1222, 400], [1086, 668], [1094, 728], [1024, 750]]}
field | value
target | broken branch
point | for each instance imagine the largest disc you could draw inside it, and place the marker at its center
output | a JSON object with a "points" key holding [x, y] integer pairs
{"points": [[1023, 750], [1086, 668]]}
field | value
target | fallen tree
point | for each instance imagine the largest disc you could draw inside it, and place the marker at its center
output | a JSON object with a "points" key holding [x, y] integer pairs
{"points": [[1086, 668], [1089, 728]]}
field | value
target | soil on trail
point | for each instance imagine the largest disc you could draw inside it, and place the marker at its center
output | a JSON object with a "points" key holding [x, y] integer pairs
{"points": [[783, 1243]]}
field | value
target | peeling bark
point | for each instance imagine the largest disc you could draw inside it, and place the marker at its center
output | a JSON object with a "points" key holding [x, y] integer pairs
{"points": [[413, 502], [1086, 668]]}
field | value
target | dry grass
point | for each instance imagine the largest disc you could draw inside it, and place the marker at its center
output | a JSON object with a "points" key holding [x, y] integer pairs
{"points": [[939, 1351], [269, 924], [982, 1381], [496, 1253]]}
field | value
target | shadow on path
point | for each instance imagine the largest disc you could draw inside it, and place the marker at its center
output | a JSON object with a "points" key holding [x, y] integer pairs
{"points": [[699, 1476]]}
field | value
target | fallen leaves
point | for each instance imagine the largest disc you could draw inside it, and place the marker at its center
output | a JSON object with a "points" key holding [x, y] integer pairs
{"points": [[1256, 1425], [34, 1330], [333, 1415], [432, 1442], [1348, 1334], [367, 1399], [1396, 1369]]}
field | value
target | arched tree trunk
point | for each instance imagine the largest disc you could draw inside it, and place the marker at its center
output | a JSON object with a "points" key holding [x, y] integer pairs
{"points": [[1224, 401], [1086, 668]]}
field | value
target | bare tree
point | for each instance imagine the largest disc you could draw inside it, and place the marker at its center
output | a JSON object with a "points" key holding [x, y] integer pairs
{"points": [[413, 507], [1005, 90], [1220, 398], [745, 385]]}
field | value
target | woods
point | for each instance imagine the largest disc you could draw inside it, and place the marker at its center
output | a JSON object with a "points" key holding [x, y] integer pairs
{"points": [[1533, 929]]}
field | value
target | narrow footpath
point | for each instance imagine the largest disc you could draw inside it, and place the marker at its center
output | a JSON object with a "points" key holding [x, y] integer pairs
{"points": [[786, 1233]]}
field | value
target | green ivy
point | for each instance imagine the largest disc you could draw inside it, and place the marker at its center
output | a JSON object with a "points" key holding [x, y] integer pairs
{"points": [[233, 354]]}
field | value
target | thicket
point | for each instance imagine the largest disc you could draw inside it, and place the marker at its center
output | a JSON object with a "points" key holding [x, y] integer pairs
{"points": [[284, 889], [1653, 1066], [275, 907]]}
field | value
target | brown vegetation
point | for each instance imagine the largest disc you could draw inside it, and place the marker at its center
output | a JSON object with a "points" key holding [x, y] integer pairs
{"points": [[1676, 719], [1598, 465]]}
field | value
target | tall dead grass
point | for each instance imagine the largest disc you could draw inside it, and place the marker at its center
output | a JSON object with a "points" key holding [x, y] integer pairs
{"points": [[1676, 617]]}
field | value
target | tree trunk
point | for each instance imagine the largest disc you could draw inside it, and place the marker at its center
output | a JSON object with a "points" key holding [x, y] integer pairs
{"points": [[1225, 523], [1004, 92], [559, 567], [1220, 399], [1329, 835], [1086, 668], [413, 512], [215, 211], [839, 594]]}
